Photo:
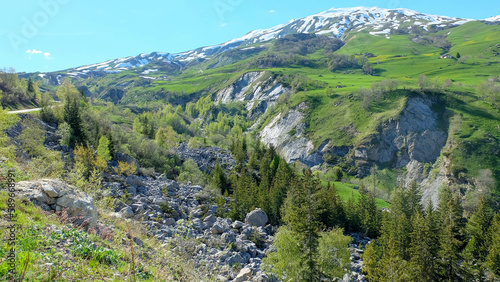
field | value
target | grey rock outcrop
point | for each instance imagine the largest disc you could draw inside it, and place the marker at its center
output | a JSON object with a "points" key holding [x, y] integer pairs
{"points": [[56, 195], [414, 135], [259, 90], [287, 134]]}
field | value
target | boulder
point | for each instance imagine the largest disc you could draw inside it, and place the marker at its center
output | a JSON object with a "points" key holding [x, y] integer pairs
{"points": [[256, 217], [49, 190], [244, 275], [217, 229], [169, 221], [127, 212], [134, 180], [56, 195]]}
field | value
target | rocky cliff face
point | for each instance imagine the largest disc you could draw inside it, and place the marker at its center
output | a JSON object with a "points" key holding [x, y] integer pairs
{"points": [[413, 136], [410, 140], [260, 92], [286, 133]]}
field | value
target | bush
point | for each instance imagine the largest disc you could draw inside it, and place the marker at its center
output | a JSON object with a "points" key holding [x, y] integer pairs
{"points": [[191, 172], [125, 168]]}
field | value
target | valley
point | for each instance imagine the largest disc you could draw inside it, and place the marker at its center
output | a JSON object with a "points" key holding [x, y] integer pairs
{"points": [[378, 125]]}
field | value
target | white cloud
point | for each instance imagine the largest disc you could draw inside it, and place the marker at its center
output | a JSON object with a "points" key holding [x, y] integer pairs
{"points": [[35, 51], [223, 24], [272, 11]]}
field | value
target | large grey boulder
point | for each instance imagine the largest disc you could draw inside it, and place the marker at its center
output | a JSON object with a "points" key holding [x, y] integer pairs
{"points": [[256, 217], [244, 275], [134, 180], [56, 195]]}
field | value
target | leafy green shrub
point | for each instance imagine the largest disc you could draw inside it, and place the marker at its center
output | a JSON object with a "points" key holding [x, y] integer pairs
{"points": [[84, 247], [191, 172], [166, 209]]}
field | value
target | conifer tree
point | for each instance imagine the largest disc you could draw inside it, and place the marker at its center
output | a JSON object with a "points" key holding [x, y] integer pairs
{"points": [[103, 148], [368, 213], [352, 219], [414, 200], [332, 209], [218, 179], [493, 258], [392, 266], [73, 118], [421, 253], [301, 214], [279, 189], [477, 228], [371, 259], [449, 241]]}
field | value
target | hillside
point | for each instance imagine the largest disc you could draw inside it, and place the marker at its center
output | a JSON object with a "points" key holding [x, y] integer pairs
{"points": [[391, 106]]}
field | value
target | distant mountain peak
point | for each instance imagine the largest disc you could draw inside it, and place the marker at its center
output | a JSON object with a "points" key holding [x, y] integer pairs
{"points": [[493, 19]]}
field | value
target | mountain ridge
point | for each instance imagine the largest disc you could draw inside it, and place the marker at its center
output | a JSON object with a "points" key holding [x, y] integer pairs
{"points": [[335, 22]]}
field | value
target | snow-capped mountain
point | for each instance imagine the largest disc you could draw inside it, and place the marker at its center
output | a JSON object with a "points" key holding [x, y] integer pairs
{"points": [[493, 19], [121, 64], [336, 22]]}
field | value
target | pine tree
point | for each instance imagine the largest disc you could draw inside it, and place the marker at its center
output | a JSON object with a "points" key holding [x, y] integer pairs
{"points": [[279, 189], [368, 213], [332, 209], [371, 259], [103, 148], [73, 119], [218, 179], [392, 266], [414, 196], [449, 240], [421, 253], [477, 228], [243, 195], [352, 219], [493, 258], [300, 212]]}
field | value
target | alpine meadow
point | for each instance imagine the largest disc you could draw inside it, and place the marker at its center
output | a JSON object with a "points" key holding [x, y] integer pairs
{"points": [[355, 144]]}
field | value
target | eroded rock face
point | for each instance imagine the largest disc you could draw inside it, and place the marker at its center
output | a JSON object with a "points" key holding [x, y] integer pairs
{"points": [[56, 195], [259, 92], [407, 141], [287, 134]]}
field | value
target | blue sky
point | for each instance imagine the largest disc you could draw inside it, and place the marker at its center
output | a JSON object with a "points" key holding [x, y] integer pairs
{"points": [[49, 35]]}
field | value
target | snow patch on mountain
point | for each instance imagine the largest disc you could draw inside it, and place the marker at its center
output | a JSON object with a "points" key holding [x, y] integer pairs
{"points": [[493, 19]]}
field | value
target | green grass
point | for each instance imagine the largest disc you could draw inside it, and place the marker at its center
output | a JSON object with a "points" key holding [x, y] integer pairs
{"points": [[345, 190]]}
